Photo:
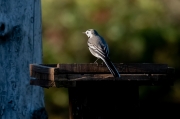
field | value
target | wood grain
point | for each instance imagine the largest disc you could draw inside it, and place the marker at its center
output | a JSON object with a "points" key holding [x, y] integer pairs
{"points": [[133, 73], [20, 45]]}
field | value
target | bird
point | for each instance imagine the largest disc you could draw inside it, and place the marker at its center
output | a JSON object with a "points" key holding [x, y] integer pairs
{"points": [[99, 48]]}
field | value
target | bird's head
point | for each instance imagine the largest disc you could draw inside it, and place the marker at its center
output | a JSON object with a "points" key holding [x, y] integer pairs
{"points": [[91, 32]]}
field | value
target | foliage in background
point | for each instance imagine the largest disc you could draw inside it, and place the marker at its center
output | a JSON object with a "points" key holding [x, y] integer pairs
{"points": [[137, 31]]}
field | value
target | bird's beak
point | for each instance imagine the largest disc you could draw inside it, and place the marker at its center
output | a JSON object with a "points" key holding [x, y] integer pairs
{"points": [[84, 32]]}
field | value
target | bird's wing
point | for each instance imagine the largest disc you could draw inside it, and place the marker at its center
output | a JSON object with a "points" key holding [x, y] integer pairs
{"points": [[102, 45], [103, 51], [106, 49]]}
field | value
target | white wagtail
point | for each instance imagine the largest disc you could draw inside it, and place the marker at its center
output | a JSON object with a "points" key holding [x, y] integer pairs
{"points": [[99, 48]]}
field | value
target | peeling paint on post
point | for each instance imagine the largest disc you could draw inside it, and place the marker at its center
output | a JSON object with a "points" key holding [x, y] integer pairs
{"points": [[20, 45]]}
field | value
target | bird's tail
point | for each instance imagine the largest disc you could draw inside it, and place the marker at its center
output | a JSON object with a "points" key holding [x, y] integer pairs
{"points": [[111, 67]]}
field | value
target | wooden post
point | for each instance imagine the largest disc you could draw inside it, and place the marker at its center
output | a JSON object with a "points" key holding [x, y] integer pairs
{"points": [[103, 100], [20, 45]]}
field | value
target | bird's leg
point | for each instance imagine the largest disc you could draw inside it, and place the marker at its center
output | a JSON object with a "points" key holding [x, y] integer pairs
{"points": [[102, 63], [96, 61]]}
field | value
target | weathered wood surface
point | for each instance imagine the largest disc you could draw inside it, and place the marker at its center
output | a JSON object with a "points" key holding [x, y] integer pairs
{"points": [[20, 45], [56, 75], [99, 68]]}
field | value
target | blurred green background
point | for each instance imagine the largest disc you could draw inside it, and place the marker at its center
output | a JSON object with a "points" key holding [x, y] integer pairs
{"points": [[137, 31]]}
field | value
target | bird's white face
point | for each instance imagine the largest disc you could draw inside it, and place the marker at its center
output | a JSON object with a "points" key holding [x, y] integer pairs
{"points": [[89, 34]]}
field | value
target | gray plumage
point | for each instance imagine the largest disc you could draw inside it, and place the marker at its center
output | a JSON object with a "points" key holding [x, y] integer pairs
{"points": [[99, 48]]}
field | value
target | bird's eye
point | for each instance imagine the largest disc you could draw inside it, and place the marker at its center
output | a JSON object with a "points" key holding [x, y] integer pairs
{"points": [[87, 32]]}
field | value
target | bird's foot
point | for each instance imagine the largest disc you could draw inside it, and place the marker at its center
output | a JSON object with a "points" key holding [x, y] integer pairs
{"points": [[96, 61], [102, 63]]}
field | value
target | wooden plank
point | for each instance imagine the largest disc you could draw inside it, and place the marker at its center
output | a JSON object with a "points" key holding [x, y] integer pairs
{"points": [[66, 77], [49, 83], [101, 68], [98, 68], [50, 65], [139, 73], [41, 69], [125, 78], [142, 68], [42, 76]]}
